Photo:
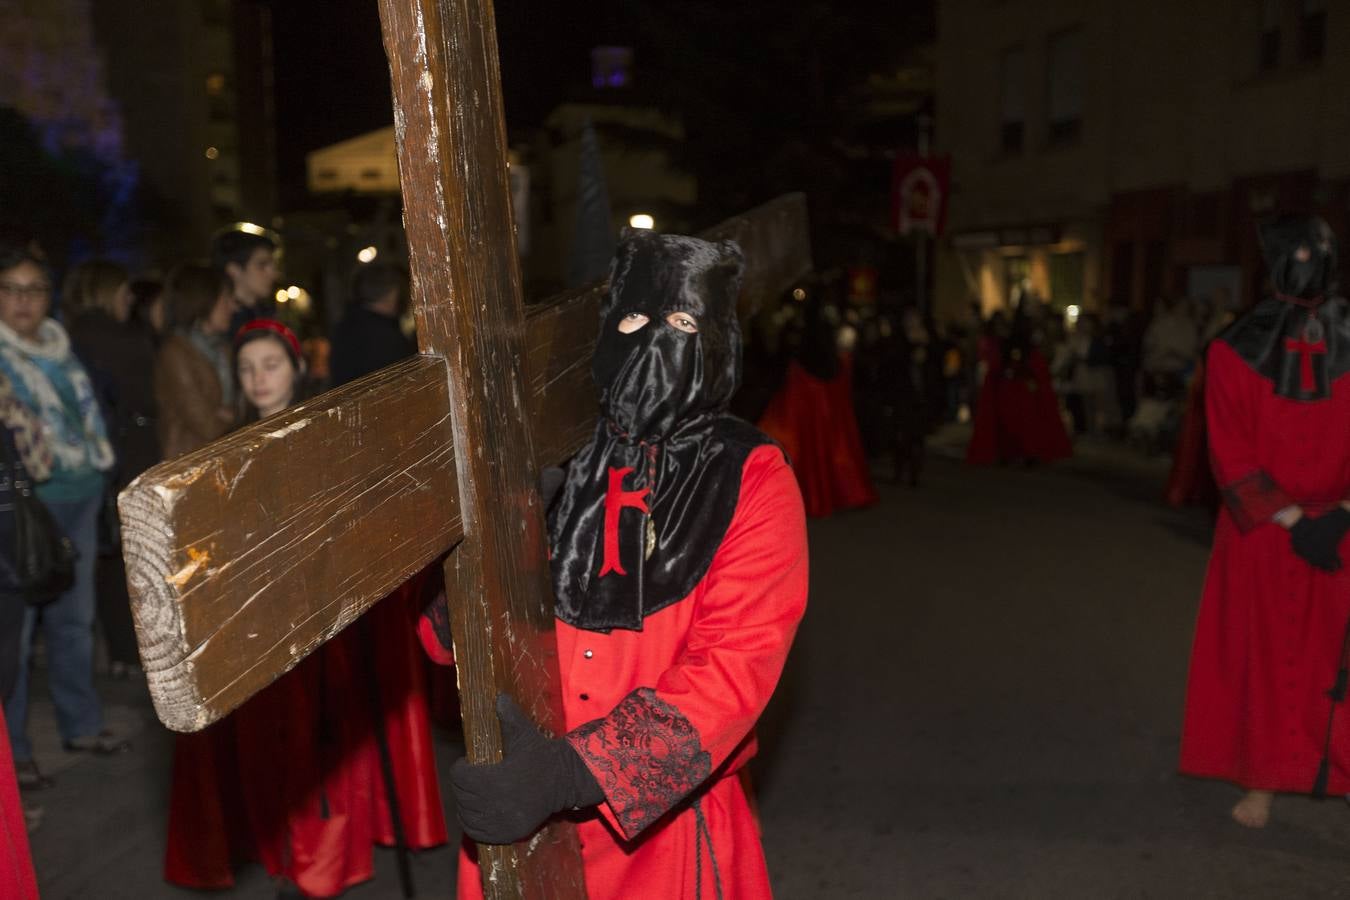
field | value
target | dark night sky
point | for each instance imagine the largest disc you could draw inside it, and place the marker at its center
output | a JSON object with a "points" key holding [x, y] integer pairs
{"points": [[333, 79], [747, 75]]}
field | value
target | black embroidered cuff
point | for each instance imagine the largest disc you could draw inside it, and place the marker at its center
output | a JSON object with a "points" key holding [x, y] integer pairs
{"points": [[646, 757], [1254, 500]]}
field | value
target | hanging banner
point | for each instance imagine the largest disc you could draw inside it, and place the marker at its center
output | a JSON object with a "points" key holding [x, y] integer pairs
{"points": [[919, 193]]}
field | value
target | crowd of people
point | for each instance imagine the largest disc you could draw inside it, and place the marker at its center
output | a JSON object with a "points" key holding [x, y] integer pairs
{"points": [[102, 379]]}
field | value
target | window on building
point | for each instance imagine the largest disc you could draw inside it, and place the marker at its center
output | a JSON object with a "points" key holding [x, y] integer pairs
{"points": [[1012, 99], [1066, 279], [611, 67], [1064, 73], [216, 12], [1203, 220], [1122, 273], [1312, 30], [1269, 47]]}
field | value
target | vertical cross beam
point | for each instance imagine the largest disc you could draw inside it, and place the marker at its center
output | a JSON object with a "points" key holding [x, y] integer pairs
{"points": [[467, 290]]}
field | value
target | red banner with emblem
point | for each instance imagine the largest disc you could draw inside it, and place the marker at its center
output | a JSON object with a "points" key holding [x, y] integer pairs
{"points": [[919, 193]]}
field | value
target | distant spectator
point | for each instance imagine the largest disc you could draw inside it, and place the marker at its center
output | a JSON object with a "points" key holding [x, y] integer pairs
{"points": [[120, 357], [1172, 340], [193, 369], [369, 337], [47, 378], [147, 306], [249, 262]]}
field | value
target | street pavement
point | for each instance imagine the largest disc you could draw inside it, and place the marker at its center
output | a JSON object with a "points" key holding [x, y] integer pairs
{"points": [[984, 701]]}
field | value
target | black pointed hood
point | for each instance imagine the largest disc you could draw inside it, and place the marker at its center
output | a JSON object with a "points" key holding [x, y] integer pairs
{"points": [[647, 502], [1299, 338]]}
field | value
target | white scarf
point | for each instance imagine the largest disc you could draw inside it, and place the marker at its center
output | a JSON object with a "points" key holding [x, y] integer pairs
{"points": [[73, 449]]}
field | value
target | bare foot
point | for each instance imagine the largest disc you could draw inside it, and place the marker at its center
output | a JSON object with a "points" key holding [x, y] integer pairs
{"points": [[1253, 810]]}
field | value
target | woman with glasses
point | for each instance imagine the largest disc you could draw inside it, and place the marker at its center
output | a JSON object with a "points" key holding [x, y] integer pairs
{"points": [[36, 358]]}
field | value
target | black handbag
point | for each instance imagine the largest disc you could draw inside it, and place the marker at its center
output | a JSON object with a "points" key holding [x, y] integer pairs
{"points": [[42, 566]]}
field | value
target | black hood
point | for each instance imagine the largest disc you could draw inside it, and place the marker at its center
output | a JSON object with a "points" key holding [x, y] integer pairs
{"points": [[1300, 253], [646, 503], [1299, 339], [655, 378]]}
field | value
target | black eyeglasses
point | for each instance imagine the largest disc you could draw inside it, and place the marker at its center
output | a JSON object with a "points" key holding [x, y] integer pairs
{"points": [[11, 291]]}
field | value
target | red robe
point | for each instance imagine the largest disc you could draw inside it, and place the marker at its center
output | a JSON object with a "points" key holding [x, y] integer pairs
{"points": [[1017, 415], [814, 422], [292, 778], [664, 717], [1269, 631], [17, 880], [1191, 483]]}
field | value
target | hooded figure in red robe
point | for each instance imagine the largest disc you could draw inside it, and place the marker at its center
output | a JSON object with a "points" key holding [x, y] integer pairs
{"points": [[1017, 417], [679, 568], [293, 778], [1261, 706]]}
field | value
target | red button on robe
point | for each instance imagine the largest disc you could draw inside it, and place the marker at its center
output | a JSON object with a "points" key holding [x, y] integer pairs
{"points": [[664, 717], [1270, 626]]}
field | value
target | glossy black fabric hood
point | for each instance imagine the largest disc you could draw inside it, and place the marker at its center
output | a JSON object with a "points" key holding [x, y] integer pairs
{"points": [[646, 503]]}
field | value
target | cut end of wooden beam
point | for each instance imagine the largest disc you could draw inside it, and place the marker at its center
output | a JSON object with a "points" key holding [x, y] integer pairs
{"points": [[155, 581]]}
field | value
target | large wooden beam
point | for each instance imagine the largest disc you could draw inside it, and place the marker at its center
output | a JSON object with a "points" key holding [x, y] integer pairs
{"points": [[452, 151], [329, 506], [560, 333]]}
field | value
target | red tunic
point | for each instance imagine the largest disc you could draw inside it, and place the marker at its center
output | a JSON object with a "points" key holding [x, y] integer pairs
{"points": [[814, 422], [1270, 626], [17, 881], [664, 717], [305, 797], [1016, 417], [1191, 482]]}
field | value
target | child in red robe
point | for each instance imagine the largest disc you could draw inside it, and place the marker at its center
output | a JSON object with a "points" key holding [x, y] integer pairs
{"points": [[293, 778]]}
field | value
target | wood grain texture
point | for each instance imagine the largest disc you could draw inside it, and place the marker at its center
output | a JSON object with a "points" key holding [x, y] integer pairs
{"points": [[451, 135], [245, 555], [560, 333]]}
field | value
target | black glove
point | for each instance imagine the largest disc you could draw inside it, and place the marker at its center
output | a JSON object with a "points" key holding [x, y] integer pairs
{"points": [[505, 802], [1317, 539]]}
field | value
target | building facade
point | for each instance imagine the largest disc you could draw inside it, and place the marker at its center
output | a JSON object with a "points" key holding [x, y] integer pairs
{"points": [[173, 98], [1113, 151]]}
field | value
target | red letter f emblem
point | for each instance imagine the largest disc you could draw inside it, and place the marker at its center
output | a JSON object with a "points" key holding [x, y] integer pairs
{"points": [[616, 499]]}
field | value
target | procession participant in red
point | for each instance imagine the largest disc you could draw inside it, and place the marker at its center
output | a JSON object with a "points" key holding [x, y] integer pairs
{"points": [[1191, 483], [680, 573], [1268, 641], [293, 778], [17, 879], [811, 416], [1017, 417]]}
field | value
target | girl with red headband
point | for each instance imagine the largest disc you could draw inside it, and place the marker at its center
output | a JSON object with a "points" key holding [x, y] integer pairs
{"points": [[269, 365]]}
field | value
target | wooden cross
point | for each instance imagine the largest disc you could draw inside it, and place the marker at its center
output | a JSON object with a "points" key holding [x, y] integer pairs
{"points": [[248, 554]]}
